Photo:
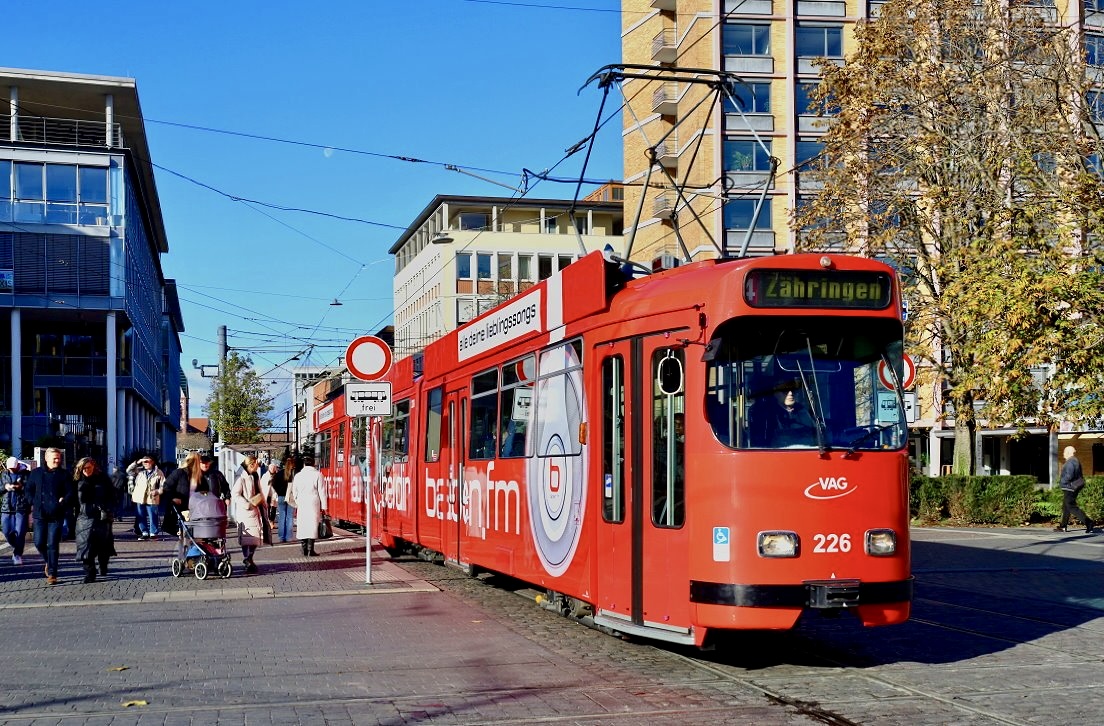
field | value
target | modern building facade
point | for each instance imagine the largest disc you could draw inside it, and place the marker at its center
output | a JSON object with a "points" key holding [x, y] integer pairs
{"points": [[773, 46], [463, 255], [90, 327]]}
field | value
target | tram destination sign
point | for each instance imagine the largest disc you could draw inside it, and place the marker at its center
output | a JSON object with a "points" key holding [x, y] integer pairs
{"points": [[850, 289]]}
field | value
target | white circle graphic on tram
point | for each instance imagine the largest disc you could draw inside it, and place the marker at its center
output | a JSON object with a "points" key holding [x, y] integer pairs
{"points": [[557, 481]]}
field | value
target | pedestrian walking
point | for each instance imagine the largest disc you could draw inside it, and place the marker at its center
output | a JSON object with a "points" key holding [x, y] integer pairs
{"points": [[15, 507], [179, 486], [1071, 482], [148, 483], [52, 494], [96, 501], [251, 503], [277, 480], [216, 482], [307, 493]]}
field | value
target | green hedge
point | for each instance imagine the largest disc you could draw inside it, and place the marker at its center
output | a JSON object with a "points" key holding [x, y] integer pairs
{"points": [[1009, 501]]}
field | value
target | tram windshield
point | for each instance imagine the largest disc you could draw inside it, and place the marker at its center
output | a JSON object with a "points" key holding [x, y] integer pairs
{"points": [[806, 383]]}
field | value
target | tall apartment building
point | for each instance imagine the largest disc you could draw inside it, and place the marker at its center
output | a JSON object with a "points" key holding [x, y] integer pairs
{"points": [[773, 45], [463, 255], [90, 342]]}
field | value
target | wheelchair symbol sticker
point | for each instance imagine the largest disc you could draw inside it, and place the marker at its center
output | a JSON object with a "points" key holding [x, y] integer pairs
{"points": [[722, 551]]}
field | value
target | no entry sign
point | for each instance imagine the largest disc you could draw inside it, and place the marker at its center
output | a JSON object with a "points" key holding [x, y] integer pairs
{"points": [[368, 358]]}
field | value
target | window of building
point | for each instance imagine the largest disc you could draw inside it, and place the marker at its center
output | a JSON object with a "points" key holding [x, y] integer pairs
{"points": [[805, 101], [544, 267], [505, 266], [550, 225], [746, 155], [525, 268], [463, 266], [5, 190], [750, 98], [1094, 100], [739, 213], [1094, 49], [809, 155], [61, 183], [483, 266], [1094, 6], [473, 220], [564, 261], [746, 39], [815, 41]]}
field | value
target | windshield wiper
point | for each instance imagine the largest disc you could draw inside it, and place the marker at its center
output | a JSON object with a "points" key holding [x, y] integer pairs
{"points": [[870, 431]]}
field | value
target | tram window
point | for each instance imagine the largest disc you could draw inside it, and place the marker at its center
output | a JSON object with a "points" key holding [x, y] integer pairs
{"points": [[395, 434], [559, 402], [613, 439], [341, 443], [515, 407], [483, 433], [434, 408], [668, 445], [324, 448]]}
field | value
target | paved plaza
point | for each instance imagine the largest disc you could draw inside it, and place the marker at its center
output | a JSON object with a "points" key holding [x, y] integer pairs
{"points": [[1006, 630]]}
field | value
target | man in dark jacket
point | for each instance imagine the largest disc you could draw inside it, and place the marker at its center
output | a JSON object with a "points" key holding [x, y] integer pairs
{"points": [[1071, 483], [53, 495]]}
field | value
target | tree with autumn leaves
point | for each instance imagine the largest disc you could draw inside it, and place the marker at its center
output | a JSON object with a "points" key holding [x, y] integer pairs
{"points": [[239, 403], [964, 150]]}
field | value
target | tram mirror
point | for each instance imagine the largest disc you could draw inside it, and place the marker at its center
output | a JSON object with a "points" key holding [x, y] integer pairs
{"points": [[669, 376], [711, 350]]}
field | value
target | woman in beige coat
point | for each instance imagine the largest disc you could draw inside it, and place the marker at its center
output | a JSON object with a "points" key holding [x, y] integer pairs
{"points": [[251, 501]]}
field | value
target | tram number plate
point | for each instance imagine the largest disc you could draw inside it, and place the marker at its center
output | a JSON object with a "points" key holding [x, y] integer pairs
{"points": [[831, 542]]}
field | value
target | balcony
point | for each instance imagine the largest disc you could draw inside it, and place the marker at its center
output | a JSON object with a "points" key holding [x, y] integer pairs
{"points": [[666, 152], [668, 5], [663, 206], [665, 99], [665, 46], [62, 131]]}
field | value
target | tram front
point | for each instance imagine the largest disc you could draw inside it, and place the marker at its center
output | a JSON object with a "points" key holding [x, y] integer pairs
{"points": [[806, 496]]}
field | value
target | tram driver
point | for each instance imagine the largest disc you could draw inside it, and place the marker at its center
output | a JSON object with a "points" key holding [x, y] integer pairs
{"points": [[781, 418]]}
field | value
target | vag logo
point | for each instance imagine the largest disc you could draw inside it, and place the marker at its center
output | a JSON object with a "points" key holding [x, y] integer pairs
{"points": [[829, 487]]}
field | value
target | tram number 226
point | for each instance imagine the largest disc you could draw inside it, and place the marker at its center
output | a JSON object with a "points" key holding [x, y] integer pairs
{"points": [[832, 543]]}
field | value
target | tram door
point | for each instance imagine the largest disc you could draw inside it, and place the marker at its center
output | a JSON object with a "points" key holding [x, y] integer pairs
{"points": [[452, 471], [641, 548]]}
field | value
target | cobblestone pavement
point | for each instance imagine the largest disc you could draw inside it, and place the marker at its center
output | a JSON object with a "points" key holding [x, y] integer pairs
{"points": [[1005, 630]]}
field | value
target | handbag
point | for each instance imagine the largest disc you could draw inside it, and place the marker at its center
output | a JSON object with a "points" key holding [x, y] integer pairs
{"points": [[325, 529], [256, 499]]}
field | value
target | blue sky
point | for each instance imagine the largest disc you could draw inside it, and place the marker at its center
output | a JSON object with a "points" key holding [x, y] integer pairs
{"points": [[490, 86]]}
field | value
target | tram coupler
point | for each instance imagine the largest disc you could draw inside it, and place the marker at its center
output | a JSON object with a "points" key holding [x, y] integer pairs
{"points": [[833, 593]]}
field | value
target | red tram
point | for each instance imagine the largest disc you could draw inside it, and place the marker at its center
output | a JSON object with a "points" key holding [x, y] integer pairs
{"points": [[717, 446]]}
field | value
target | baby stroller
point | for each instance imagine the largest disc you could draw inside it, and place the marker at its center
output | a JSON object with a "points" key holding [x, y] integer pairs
{"points": [[202, 547]]}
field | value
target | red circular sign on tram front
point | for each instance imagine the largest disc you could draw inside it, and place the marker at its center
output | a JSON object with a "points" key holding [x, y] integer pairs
{"points": [[368, 358]]}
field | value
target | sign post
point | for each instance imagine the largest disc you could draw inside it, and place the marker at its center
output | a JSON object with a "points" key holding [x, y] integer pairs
{"points": [[368, 358]]}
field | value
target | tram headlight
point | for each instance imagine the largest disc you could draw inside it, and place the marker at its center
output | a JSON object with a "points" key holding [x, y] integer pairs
{"points": [[881, 542], [778, 544]]}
